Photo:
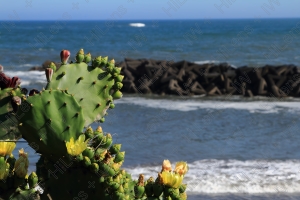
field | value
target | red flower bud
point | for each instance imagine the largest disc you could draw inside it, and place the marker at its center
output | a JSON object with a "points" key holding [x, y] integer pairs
{"points": [[49, 73], [16, 81], [5, 81], [64, 56]]}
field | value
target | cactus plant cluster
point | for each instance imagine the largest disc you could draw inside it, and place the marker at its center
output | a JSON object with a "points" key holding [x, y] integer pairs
{"points": [[76, 161]]}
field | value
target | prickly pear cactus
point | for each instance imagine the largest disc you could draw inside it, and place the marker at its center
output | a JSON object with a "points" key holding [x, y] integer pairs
{"points": [[93, 86], [76, 163], [9, 98], [50, 119]]}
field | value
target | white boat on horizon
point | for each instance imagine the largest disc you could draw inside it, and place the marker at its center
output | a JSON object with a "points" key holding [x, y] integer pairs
{"points": [[137, 24]]}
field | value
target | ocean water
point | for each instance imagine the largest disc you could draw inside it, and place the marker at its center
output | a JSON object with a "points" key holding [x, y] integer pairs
{"points": [[237, 148], [238, 42]]}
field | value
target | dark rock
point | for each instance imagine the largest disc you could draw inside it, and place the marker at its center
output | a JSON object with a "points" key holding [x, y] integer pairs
{"points": [[174, 88], [249, 93], [213, 90], [197, 88]]}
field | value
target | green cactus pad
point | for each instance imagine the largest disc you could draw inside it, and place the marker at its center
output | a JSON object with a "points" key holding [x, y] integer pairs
{"points": [[8, 119], [91, 87], [51, 119]]}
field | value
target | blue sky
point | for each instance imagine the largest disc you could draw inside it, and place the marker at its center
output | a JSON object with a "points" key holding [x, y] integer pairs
{"points": [[143, 9]]}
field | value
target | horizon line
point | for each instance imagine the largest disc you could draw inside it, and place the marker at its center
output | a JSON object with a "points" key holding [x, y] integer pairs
{"points": [[205, 19]]}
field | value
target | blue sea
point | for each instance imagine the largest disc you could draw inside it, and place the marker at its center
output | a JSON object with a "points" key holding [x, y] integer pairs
{"points": [[237, 148]]}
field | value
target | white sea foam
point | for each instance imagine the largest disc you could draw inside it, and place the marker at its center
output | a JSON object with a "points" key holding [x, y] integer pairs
{"points": [[211, 62], [206, 62], [137, 24], [262, 106], [28, 77], [234, 176], [28, 65]]}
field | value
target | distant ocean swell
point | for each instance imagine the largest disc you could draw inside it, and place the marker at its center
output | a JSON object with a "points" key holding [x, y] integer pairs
{"points": [[224, 52], [275, 49]]}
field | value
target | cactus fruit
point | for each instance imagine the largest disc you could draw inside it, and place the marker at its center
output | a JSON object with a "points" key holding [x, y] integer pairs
{"points": [[114, 149], [94, 167], [112, 106], [89, 133], [52, 66], [119, 78], [21, 165], [11, 160], [105, 142], [64, 56], [51, 120], [182, 188], [49, 74], [32, 179], [80, 56], [149, 187], [88, 152], [117, 94], [139, 188], [119, 157], [158, 187], [86, 161], [96, 62], [4, 168], [87, 58]]}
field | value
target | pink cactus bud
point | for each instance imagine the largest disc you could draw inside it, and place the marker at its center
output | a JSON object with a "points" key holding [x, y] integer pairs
{"points": [[49, 73], [17, 100], [64, 56], [4, 81], [15, 82]]}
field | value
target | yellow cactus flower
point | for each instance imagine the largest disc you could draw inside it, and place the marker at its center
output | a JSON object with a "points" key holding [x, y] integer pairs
{"points": [[166, 166], [181, 168], [6, 148], [171, 179], [77, 147], [21, 165]]}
